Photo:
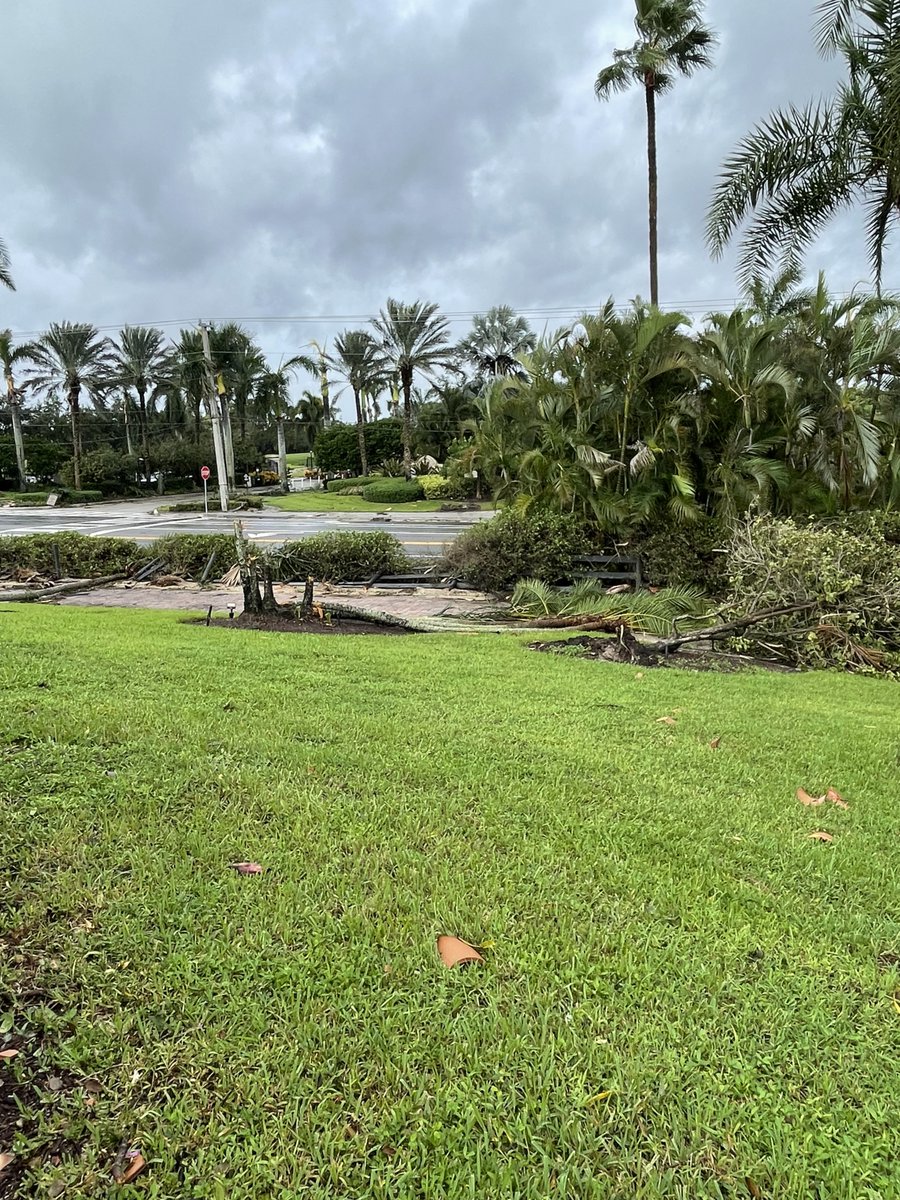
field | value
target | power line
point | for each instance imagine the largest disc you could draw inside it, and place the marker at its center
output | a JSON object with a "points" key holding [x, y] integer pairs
{"points": [[453, 316]]}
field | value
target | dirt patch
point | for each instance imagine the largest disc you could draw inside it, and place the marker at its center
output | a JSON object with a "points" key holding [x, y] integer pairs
{"points": [[27, 1095], [280, 625], [629, 650]]}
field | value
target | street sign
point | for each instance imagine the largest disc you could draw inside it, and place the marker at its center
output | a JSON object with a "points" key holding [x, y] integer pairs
{"points": [[204, 473]]}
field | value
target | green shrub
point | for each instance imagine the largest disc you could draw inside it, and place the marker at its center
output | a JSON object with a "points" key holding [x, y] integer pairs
{"points": [[186, 554], [851, 580], [105, 470], [336, 557], [439, 487], [80, 556], [683, 553], [393, 491], [85, 496], [190, 506], [343, 485], [494, 555], [24, 499]]}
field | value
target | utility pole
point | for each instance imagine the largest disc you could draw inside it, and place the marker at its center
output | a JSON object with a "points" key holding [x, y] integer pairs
{"points": [[212, 404]]}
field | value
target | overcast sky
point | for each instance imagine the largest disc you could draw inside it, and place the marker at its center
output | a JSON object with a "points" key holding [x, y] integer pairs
{"points": [[275, 159]]}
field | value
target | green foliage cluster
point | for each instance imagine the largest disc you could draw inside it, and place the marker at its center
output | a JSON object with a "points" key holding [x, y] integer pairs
{"points": [[439, 487], [342, 556], [80, 556], [494, 555], [845, 570], [187, 554], [393, 491], [337, 446], [105, 470], [44, 458], [683, 553]]}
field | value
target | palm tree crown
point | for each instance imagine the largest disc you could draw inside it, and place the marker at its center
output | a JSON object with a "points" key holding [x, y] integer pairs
{"points": [[497, 340], [71, 357], [359, 360], [801, 166], [413, 338], [5, 271], [140, 363]]}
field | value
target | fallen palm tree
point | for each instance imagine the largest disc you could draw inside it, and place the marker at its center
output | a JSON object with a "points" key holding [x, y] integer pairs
{"points": [[587, 607]]}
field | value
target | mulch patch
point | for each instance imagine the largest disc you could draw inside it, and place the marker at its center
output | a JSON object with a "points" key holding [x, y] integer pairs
{"points": [[282, 625]]}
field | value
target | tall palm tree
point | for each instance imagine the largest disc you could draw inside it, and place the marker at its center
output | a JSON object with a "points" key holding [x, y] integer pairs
{"points": [[497, 339], [273, 399], [10, 356], [359, 360], [801, 166], [324, 382], [188, 369], [5, 270], [672, 40], [413, 338], [311, 414], [140, 362], [72, 357]]}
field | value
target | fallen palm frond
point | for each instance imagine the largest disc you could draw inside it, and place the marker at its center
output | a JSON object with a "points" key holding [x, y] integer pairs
{"points": [[655, 613]]}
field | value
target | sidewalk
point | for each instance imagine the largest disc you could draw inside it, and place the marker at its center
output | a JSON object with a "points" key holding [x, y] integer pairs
{"points": [[422, 604]]}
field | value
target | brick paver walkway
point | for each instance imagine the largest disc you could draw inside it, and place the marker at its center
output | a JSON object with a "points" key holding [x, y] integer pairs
{"points": [[424, 603]]}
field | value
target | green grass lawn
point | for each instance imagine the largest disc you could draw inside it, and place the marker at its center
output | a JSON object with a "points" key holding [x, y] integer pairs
{"points": [[682, 992], [319, 501]]}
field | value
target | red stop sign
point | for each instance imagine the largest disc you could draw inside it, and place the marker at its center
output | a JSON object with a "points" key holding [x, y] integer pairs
{"points": [[204, 473]]}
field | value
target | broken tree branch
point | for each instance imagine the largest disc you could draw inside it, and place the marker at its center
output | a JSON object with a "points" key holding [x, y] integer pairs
{"points": [[666, 645], [61, 589]]}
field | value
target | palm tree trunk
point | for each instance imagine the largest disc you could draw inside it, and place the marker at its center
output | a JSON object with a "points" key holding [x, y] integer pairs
{"points": [[196, 401], [282, 452], [406, 382], [75, 414], [129, 446], [361, 431], [653, 188], [142, 418], [18, 442]]}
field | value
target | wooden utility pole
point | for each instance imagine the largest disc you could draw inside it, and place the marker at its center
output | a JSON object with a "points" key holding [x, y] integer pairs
{"points": [[212, 404]]}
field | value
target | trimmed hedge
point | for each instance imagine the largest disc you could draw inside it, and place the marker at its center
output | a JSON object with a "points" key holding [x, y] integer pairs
{"points": [[191, 506], [85, 496], [344, 556], [343, 485], [393, 491], [80, 556], [494, 555], [186, 554]]}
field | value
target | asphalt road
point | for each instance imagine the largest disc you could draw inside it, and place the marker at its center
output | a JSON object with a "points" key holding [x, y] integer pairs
{"points": [[423, 534]]}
